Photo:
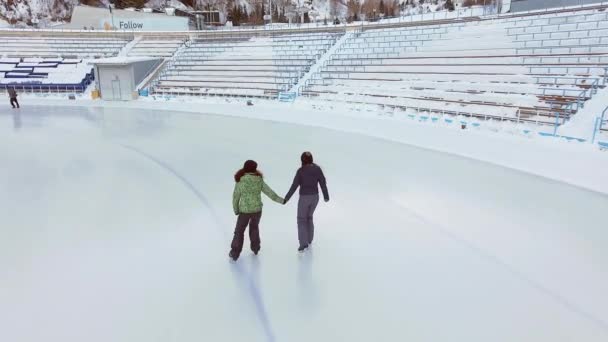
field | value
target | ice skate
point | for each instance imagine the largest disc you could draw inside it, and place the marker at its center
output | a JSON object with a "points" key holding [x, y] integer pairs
{"points": [[232, 257]]}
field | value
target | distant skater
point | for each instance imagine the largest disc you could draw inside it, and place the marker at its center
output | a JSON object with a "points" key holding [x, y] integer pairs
{"points": [[308, 177], [247, 204], [12, 94]]}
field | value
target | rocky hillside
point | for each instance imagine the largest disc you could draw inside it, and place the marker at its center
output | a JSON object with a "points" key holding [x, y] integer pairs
{"points": [[23, 13]]}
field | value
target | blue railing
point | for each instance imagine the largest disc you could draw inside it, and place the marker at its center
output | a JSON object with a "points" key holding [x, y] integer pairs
{"points": [[286, 96], [597, 127]]}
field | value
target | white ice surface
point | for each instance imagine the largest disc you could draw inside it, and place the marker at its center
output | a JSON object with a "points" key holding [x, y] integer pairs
{"points": [[116, 225]]}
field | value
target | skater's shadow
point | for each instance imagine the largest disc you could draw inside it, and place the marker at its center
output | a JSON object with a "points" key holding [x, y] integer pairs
{"points": [[255, 269], [306, 283], [17, 120]]}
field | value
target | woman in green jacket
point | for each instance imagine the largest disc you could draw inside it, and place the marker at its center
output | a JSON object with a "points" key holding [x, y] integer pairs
{"points": [[247, 204]]}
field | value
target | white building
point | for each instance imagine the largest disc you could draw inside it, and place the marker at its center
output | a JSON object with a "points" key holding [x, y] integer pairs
{"points": [[86, 17], [117, 78]]}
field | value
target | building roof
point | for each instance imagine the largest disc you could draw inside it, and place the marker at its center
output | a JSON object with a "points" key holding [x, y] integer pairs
{"points": [[122, 60]]}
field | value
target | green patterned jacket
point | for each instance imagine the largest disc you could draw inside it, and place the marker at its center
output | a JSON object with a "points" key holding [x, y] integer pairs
{"points": [[247, 196]]}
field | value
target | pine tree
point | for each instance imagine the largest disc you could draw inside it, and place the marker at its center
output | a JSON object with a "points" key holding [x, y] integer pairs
{"points": [[236, 15], [396, 8], [275, 14], [244, 14], [449, 5], [353, 7], [129, 3], [381, 8]]}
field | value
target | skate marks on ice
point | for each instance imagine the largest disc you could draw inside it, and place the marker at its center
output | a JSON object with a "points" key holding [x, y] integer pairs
{"points": [[563, 301], [237, 269]]}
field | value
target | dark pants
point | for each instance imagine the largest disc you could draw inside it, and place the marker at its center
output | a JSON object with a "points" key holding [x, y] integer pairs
{"points": [[14, 102], [244, 220], [306, 227]]}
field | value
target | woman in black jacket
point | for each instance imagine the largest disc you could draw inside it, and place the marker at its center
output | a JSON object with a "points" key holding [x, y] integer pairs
{"points": [[308, 178]]}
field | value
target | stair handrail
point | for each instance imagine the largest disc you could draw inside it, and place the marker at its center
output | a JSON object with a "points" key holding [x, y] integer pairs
{"points": [[599, 121]]}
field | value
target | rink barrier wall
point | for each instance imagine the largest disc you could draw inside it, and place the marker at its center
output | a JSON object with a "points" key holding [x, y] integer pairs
{"points": [[471, 122], [502, 148]]}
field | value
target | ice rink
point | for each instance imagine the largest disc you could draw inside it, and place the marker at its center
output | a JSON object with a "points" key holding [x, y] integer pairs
{"points": [[116, 224]]}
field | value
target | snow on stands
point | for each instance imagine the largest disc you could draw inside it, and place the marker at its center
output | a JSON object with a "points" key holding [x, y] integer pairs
{"points": [[43, 46], [489, 68], [45, 74], [537, 68], [52, 63], [157, 46], [244, 65], [579, 125]]}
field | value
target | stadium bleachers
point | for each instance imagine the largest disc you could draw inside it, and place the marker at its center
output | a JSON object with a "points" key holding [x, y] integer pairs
{"points": [[538, 67], [45, 74], [531, 69], [243, 66], [58, 46], [53, 63], [157, 46]]}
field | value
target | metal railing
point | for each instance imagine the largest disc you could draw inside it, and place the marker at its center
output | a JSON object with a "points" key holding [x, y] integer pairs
{"points": [[48, 88], [516, 118], [584, 33], [561, 50], [597, 59], [562, 17], [599, 123], [598, 70], [559, 42], [217, 92]]}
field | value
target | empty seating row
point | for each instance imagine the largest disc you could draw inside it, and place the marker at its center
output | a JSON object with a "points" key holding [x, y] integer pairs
{"points": [[156, 47], [253, 66], [485, 69], [83, 47]]}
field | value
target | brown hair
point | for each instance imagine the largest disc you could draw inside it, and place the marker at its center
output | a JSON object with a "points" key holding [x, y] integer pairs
{"points": [[250, 167], [306, 158]]}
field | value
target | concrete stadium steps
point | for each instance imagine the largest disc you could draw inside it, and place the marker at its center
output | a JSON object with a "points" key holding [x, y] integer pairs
{"points": [[238, 62], [201, 69], [538, 114], [448, 96], [487, 63], [593, 16], [229, 75], [550, 35], [157, 46], [442, 85], [249, 54], [215, 91], [222, 84], [54, 46], [531, 69], [259, 66], [231, 78]]}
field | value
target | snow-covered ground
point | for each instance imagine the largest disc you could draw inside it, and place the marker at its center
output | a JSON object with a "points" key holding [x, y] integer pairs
{"points": [[116, 223]]}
